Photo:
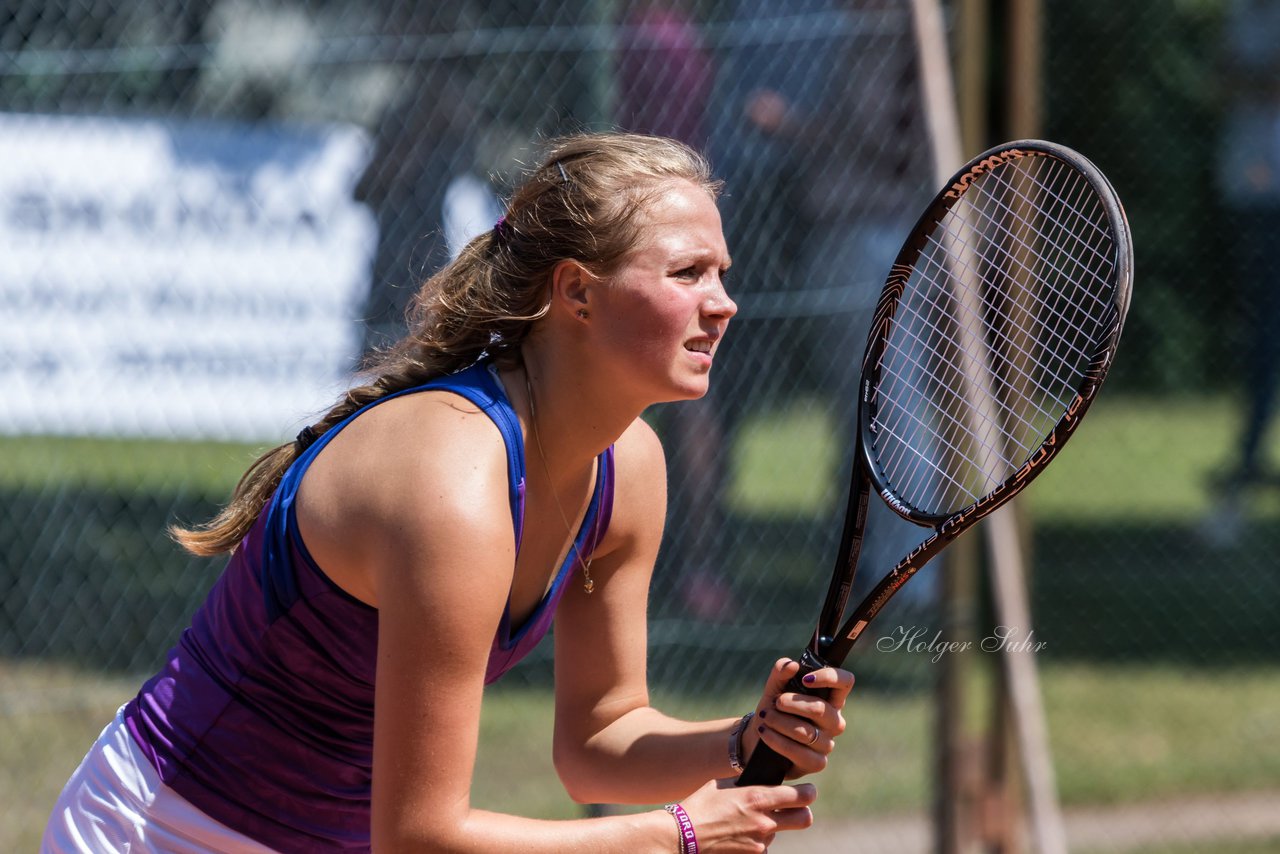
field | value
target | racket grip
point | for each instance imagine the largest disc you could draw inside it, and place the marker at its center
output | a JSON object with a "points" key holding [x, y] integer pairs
{"points": [[767, 767]]}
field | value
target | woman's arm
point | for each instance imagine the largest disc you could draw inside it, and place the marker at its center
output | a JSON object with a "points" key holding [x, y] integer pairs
{"points": [[611, 746], [439, 550], [435, 534]]}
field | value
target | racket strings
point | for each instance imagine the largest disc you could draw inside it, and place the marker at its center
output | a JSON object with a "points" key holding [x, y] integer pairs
{"points": [[991, 339], [1060, 227], [996, 223], [1011, 344], [1001, 395], [993, 431], [1093, 277], [1090, 297], [940, 380], [986, 438], [902, 432], [954, 426]]}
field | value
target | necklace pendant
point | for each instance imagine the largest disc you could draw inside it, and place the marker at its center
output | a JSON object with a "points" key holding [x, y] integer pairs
{"points": [[587, 584]]}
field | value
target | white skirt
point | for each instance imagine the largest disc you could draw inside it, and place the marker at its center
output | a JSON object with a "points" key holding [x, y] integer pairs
{"points": [[115, 803]]}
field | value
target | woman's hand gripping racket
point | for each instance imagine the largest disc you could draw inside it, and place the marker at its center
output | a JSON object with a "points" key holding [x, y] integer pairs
{"points": [[995, 328]]}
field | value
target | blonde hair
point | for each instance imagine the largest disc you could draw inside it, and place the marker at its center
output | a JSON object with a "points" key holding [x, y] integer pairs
{"points": [[581, 203]]}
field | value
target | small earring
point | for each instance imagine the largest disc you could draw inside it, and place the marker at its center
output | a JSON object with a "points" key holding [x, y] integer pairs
{"points": [[582, 312]]}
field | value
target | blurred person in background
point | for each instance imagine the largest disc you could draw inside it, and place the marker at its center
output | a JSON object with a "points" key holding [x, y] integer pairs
{"points": [[824, 104], [419, 147], [664, 79], [1249, 180]]}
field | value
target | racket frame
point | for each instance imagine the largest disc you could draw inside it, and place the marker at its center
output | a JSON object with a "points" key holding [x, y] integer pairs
{"points": [[832, 640], [834, 647]]}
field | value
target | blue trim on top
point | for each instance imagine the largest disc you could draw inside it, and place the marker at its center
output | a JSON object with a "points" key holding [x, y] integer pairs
{"points": [[477, 384]]}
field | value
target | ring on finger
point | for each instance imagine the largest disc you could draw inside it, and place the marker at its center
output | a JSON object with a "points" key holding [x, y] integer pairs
{"points": [[814, 739]]}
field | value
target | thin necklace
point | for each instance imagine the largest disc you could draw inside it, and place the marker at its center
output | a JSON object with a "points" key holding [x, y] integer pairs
{"points": [[587, 584]]}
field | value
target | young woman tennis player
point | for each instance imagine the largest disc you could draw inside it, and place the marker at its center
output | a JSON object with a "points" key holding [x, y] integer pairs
{"points": [[416, 542]]}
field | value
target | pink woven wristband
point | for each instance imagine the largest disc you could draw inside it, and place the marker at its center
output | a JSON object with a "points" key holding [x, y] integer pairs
{"points": [[688, 839]]}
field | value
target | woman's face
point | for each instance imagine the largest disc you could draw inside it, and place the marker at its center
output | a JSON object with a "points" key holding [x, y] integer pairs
{"points": [[664, 311]]}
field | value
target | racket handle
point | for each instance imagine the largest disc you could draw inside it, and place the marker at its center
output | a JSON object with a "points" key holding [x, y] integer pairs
{"points": [[767, 767]]}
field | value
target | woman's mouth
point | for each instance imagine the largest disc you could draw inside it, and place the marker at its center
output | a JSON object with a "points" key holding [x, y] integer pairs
{"points": [[701, 345]]}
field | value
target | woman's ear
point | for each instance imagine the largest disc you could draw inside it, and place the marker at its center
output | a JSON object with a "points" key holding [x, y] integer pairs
{"points": [[571, 287]]}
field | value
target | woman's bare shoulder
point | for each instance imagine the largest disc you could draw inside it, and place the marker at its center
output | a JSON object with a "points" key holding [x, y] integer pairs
{"points": [[640, 487], [409, 477], [639, 449]]}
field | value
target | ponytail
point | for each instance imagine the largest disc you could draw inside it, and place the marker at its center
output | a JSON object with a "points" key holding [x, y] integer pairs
{"points": [[581, 204]]}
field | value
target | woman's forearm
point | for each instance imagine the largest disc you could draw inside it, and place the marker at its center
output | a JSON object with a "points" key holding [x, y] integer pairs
{"points": [[644, 757], [484, 832]]}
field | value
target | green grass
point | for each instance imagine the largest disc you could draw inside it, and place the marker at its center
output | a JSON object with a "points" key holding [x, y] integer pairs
{"points": [[50, 715], [1120, 734], [1261, 846], [1135, 458], [1142, 459], [515, 773], [1127, 732], [782, 464], [134, 465]]}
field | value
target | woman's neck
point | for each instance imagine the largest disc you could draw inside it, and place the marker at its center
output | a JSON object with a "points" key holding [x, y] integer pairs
{"points": [[574, 415]]}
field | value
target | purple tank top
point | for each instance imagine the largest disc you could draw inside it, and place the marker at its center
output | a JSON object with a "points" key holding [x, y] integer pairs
{"points": [[263, 714]]}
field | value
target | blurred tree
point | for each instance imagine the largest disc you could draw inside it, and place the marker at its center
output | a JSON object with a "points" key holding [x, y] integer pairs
{"points": [[1133, 87]]}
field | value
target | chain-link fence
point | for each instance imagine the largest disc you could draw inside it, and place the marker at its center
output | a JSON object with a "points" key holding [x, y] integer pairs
{"points": [[209, 208]]}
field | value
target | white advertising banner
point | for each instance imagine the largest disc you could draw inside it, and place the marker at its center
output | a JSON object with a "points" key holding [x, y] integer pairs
{"points": [[178, 280]]}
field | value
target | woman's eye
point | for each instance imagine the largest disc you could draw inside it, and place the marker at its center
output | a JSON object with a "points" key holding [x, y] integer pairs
{"points": [[687, 273]]}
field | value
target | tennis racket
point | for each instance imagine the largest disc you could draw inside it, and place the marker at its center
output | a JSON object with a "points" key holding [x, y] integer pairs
{"points": [[996, 326]]}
